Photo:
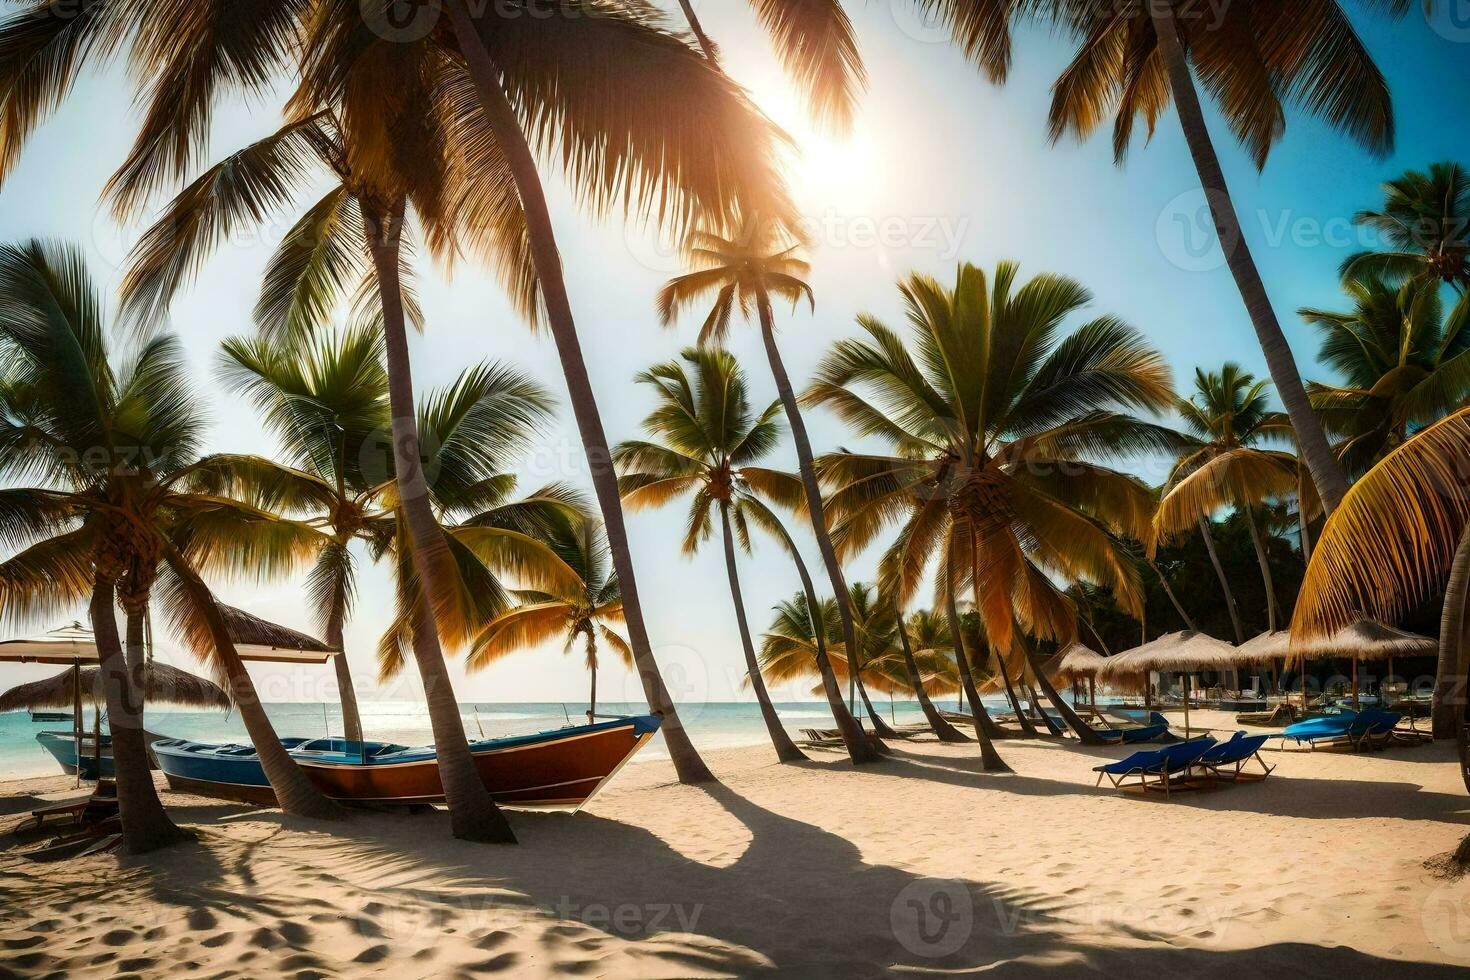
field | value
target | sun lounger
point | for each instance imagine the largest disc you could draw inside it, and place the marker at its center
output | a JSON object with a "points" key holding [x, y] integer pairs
{"points": [[1378, 728], [1126, 736], [1227, 760], [1329, 730], [1164, 769], [99, 806]]}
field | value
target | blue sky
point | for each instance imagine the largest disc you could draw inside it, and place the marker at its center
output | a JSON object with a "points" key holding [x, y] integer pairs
{"points": [[942, 167]]}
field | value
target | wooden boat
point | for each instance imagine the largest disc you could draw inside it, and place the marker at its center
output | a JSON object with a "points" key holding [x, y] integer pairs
{"points": [[559, 769], [63, 747], [50, 717]]}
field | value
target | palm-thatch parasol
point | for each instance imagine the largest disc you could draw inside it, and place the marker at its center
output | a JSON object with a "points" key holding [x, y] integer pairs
{"points": [[1186, 652], [72, 645], [261, 641], [1078, 662], [1367, 639], [161, 684]]}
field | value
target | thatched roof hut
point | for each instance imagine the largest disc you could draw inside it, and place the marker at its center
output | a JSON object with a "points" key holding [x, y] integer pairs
{"points": [[262, 641], [1367, 639], [1267, 646], [1185, 651], [162, 684], [1079, 662]]}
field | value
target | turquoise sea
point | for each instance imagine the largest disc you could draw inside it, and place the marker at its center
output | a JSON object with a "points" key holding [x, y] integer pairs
{"points": [[711, 724]]}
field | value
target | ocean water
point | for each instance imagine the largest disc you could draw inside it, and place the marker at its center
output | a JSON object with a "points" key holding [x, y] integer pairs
{"points": [[711, 725]]}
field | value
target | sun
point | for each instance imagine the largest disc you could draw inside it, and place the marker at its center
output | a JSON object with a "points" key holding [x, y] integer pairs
{"points": [[826, 170]]}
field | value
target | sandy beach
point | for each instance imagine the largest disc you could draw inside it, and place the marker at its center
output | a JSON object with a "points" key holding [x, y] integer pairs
{"points": [[919, 866]]}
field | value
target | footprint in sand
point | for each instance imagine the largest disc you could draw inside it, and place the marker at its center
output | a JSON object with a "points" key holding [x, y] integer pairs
{"points": [[265, 939], [373, 954], [492, 940], [24, 943], [218, 939], [494, 964], [201, 919], [117, 937], [294, 933]]}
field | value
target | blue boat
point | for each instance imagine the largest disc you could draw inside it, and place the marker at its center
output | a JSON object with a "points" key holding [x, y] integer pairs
{"points": [[63, 748], [559, 769]]}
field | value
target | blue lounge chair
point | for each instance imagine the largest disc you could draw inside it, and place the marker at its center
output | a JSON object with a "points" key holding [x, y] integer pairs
{"points": [[1338, 729], [1166, 769], [1377, 727], [1227, 760], [1124, 736]]}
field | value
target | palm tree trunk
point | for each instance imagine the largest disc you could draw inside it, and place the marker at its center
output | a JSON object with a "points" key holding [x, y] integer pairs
{"points": [[986, 730], [145, 824], [1450, 684], [1169, 591], [859, 749], [295, 793], [1312, 444], [592, 670], [1264, 562], [1208, 535], [512, 139], [1046, 719], [698, 30], [1080, 728], [816, 510], [786, 749], [346, 692], [473, 815], [943, 729], [984, 723]]}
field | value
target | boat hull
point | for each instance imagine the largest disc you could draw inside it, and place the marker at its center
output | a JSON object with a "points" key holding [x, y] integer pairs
{"points": [[558, 770], [63, 748]]}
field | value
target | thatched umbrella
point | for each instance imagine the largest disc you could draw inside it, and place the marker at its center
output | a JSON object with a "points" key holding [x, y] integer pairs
{"points": [[72, 645], [260, 641], [1185, 652], [1367, 639], [1078, 662], [160, 684]]}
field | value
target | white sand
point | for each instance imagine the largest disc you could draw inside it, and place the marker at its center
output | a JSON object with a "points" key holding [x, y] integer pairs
{"points": [[919, 866]]}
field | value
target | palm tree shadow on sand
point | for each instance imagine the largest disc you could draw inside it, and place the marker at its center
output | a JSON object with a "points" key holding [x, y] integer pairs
{"points": [[796, 900]]}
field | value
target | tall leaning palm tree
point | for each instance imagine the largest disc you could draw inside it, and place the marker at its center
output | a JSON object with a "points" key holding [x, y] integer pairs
{"points": [[991, 415], [639, 121], [1401, 537], [111, 447], [1404, 364], [1425, 219], [586, 609], [749, 273], [1136, 57], [1228, 417], [706, 434]]}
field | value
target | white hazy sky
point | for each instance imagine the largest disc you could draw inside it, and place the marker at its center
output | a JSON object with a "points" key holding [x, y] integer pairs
{"points": [[942, 167]]}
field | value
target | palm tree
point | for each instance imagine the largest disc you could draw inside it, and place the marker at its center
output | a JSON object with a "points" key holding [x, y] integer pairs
{"points": [[990, 415], [324, 399], [1401, 537], [350, 244], [707, 436], [1404, 364], [112, 447], [1228, 417], [749, 272], [640, 122], [1426, 220], [588, 608], [1133, 58]]}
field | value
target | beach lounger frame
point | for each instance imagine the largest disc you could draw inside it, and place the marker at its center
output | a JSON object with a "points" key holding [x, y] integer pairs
{"points": [[1232, 768], [1169, 769]]}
